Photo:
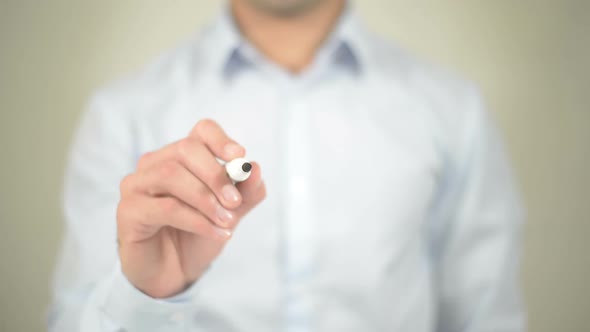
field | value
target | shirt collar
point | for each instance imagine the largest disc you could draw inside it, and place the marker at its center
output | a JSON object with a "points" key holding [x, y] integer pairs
{"points": [[230, 53]]}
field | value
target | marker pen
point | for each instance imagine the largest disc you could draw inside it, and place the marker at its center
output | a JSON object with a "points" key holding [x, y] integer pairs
{"points": [[238, 169]]}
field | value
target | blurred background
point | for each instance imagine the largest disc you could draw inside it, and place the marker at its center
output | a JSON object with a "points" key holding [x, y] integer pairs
{"points": [[531, 59]]}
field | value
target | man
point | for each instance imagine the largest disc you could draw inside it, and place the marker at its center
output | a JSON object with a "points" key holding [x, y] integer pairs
{"points": [[380, 198]]}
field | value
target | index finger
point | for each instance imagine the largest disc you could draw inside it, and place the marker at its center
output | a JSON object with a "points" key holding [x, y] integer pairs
{"points": [[213, 136]]}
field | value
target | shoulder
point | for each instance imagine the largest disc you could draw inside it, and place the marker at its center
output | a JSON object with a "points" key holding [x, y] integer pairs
{"points": [[163, 80], [449, 102], [415, 75]]}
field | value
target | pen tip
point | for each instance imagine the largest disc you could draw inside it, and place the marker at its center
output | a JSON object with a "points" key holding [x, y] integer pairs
{"points": [[246, 167]]}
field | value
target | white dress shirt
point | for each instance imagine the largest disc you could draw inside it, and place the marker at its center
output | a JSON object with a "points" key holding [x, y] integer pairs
{"points": [[390, 202]]}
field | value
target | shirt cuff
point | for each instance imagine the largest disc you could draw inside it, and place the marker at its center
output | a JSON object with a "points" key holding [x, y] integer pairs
{"points": [[135, 311]]}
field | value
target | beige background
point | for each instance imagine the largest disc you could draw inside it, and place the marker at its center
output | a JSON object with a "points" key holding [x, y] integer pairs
{"points": [[530, 58]]}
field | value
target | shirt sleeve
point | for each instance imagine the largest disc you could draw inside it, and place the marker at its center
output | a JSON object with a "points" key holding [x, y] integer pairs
{"points": [[477, 234], [90, 293]]}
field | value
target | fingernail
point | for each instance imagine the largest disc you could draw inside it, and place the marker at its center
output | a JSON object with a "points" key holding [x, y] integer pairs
{"points": [[224, 233], [233, 149], [230, 193], [224, 216]]}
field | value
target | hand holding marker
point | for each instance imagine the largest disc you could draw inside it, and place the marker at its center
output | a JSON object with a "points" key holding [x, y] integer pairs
{"points": [[181, 205]]}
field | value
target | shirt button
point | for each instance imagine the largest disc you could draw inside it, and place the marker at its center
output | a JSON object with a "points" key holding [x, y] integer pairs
{"points": [[177, 317]]}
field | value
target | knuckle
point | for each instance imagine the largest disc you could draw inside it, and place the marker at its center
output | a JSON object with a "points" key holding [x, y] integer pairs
{"points": [[126, 184], [168, 205], [202, 195], [207, 170], [144, 160], [200, 227], [203, 125], [205, 201], [124, 212], [168, 169], [210, 199], [210, 204], [216, 179], [183, 148], [121, 213]]}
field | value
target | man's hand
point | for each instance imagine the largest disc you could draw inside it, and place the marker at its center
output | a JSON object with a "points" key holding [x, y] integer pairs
{"points": [[179, 208]]}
